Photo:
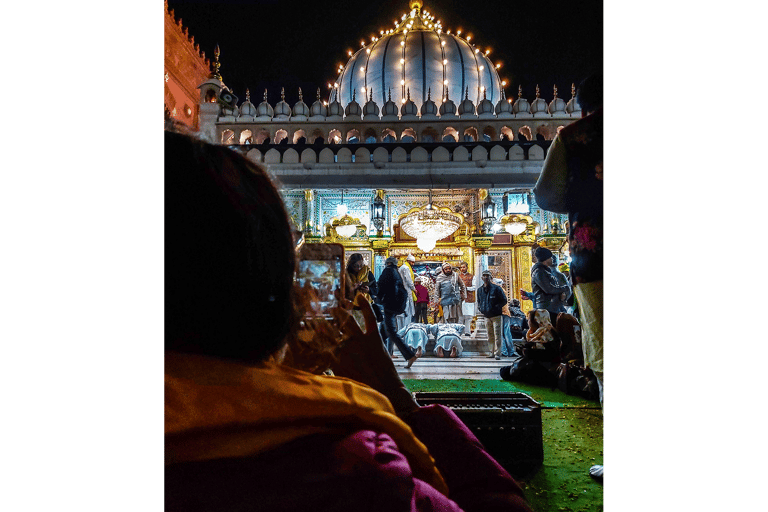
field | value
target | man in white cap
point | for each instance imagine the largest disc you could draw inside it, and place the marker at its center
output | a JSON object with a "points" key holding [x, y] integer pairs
{"points": [[450, 292], [406, 273], [468, 308]]}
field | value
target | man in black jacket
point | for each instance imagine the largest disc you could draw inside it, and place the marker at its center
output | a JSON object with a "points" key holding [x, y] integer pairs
{"points": [[490, 299], [393, 297], [546, 287]]}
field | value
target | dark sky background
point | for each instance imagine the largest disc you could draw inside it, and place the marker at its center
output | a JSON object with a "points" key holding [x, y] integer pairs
{"points": [[273, 44]]}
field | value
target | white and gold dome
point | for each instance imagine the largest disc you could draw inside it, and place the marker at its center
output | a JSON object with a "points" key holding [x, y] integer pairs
{"points": [[418, 55]]}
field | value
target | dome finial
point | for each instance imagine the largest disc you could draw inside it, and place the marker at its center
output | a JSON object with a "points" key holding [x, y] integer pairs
{"points": [[555, 91], [415, 4], [409, 94], [537, 91], [573, 91], [466, 94], [519, 91], [318, 94], [354, 94], [301, 96], [247, 94], [216, 64], [446, 93], [485, 94], [282, 94], [429, 94], [389, 95], [265, 95]]}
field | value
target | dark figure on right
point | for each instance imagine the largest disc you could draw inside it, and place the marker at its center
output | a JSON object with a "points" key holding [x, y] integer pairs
{"points": [[571, 182]]}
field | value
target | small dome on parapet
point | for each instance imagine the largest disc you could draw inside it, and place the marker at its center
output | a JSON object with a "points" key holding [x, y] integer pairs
{"points": [[573, 105], [247, 108], [428, 108], [371, 108], [353, 108], [300, 108], [409, 107], [317, 108], [282, 108], [390, 107], [466, 106], [557, 105], [264, 108], [335, 109], [485, 106], [538, 105], [448, 107], [503, 106], [521, 104]]}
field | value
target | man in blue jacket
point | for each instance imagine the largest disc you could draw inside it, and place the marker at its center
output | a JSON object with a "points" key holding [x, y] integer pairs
{"points": [[490, 299], [393, 297]]}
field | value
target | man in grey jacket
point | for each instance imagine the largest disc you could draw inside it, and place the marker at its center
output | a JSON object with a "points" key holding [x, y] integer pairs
{"points": [[546, 288]]}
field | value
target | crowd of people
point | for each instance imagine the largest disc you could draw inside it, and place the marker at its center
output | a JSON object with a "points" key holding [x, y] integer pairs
{"points": [[404, 298], [270, 408]]}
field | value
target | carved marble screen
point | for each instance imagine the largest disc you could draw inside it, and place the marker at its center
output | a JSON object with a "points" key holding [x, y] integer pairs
{"points": [[500, 264]]}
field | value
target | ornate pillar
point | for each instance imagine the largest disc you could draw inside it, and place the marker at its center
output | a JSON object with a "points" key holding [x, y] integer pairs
{"points": [[309, 212], [380, 248], [522, 246]]}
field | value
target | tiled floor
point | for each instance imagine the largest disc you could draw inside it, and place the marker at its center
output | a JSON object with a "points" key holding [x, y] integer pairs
{"points": [[474, 363]]}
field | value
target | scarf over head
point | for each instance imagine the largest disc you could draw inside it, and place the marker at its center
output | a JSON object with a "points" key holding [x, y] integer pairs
{"points": [[222, 409]]}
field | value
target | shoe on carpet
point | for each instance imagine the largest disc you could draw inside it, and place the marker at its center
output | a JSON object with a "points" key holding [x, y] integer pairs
{"points": [[411, 361], [596, 472]]}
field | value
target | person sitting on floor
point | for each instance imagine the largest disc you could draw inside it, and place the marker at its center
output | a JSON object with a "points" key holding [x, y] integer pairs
{"points": [[251, 422]]}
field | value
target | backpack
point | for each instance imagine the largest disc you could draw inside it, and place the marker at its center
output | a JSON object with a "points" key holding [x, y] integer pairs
{"points": [[401, 294], [526, 370]]}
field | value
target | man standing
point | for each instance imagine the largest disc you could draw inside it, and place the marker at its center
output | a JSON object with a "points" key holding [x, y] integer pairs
{"points": [[393, 298], [571, 182], [545, 285], [560, 301], [450, 292], [422, 302], [406, 274], [490, 301], [467, 312]]}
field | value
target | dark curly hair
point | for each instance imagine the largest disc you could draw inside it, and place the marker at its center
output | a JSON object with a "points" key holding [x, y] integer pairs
{"points": [[229, 254]]}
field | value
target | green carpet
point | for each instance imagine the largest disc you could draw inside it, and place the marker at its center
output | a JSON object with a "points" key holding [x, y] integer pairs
{"points": [[572, 430]]}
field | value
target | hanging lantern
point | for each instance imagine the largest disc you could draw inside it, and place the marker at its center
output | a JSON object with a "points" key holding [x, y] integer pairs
{"points": [[378, 216]]}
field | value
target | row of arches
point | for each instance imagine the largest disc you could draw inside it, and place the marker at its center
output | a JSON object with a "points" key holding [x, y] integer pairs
{"points": [[397, 154], [370, 135]]}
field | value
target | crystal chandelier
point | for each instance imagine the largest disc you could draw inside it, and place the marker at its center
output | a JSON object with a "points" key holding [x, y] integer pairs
{"points": [[430, 224]]}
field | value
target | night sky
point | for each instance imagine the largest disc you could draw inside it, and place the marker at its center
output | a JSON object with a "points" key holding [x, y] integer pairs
{"points": [[273, 44]]}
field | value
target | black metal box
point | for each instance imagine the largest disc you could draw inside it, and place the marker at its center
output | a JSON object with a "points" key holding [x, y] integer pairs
{"points": [[508, 425]]}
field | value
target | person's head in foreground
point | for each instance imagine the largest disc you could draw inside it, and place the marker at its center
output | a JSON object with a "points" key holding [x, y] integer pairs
{"points": [[229, 255]]}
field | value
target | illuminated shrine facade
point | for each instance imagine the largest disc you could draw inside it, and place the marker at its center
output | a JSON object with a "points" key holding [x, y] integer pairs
{"points": [[417, 113]]}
